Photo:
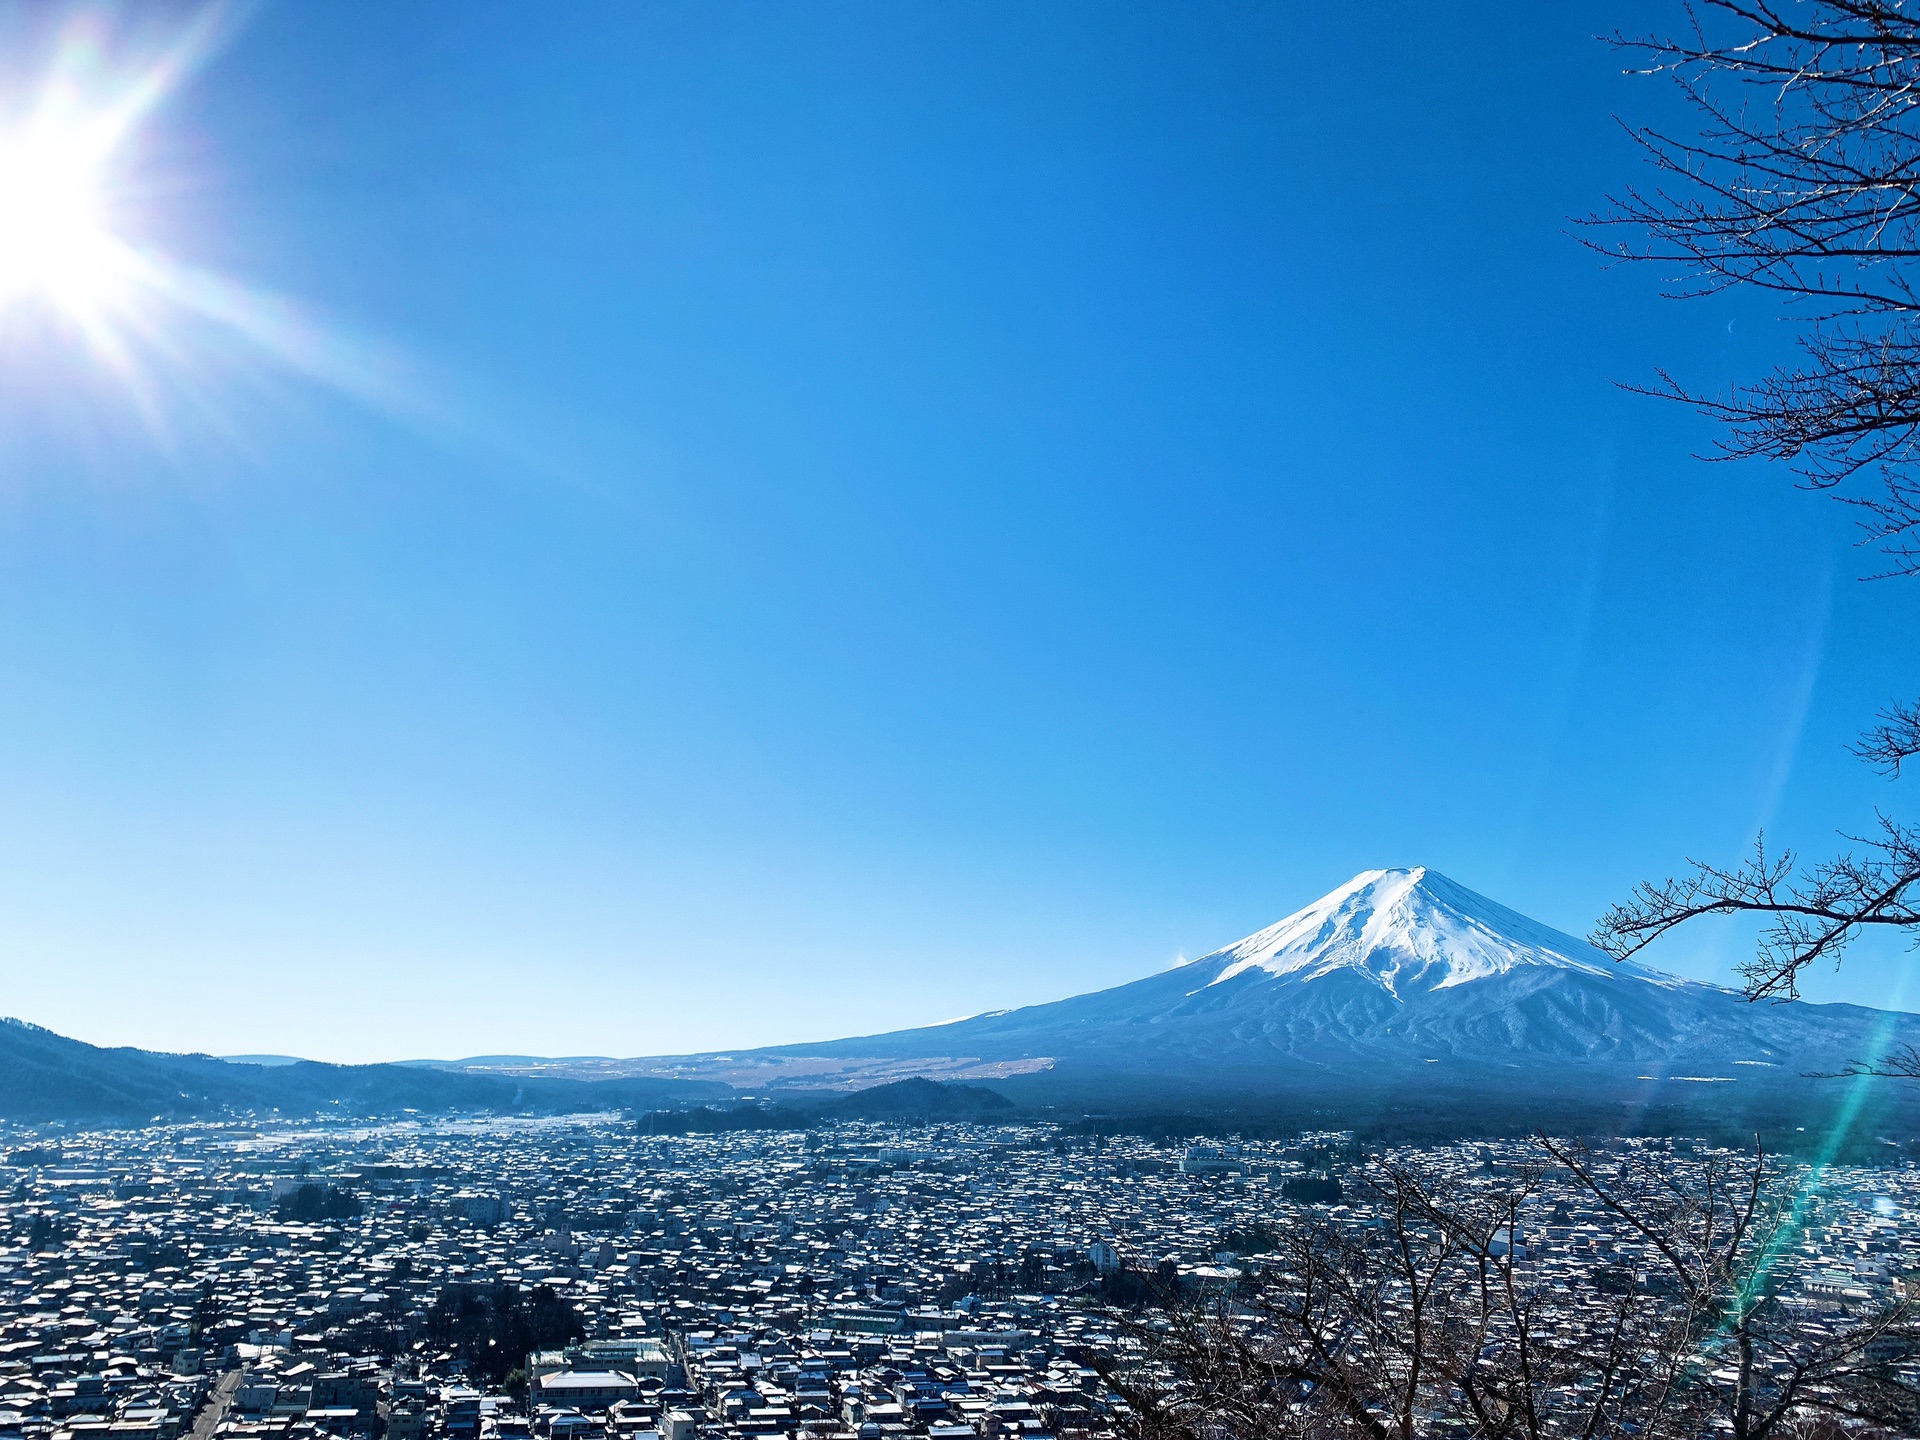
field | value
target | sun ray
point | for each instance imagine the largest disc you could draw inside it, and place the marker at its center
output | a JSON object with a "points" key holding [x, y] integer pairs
{"points": [[72, 267]]}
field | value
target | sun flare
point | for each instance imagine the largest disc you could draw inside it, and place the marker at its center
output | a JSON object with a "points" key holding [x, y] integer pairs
{"points": [[57, 243], [74, 247]]}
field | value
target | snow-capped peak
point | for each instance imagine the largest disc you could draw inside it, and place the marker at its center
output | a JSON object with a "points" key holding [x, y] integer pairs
{"points": [[1413, 930]]}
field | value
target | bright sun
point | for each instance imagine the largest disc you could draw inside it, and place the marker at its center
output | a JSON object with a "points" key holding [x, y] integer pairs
{"points": [[72, 248], [56, 238], [63, 156]]}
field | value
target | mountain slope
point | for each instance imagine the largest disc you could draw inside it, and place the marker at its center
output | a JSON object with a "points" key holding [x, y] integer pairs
{"points": [[1401, 984], [919, 1099], [44, 1076], [1396, 975]]}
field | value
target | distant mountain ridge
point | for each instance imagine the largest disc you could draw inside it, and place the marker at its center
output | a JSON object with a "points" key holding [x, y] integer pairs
{"points": [[1400, 984], [1398, 977], [44, 1076]]}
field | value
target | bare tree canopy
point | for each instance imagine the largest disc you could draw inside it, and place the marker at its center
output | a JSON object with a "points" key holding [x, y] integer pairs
{"points": [[1426, 1319], [1803, 181]]}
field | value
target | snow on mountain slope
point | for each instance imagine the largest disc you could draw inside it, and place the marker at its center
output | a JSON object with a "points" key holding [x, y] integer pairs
{"points": [[1398, 970], [1397, 977], [1413, 930]]}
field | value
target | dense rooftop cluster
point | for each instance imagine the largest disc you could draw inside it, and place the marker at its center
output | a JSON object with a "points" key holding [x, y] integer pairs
{"points": [[501, 1278]]}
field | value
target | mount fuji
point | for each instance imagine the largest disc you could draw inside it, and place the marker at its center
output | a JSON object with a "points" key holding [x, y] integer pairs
{"points": [[1397, 977], [1402, 1002]]}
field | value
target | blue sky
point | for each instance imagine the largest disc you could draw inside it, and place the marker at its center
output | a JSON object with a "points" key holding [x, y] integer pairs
{"points": [[828, 518]]}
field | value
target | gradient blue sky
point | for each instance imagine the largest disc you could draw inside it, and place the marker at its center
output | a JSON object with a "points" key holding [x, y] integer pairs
{"points": [[887, 512]]}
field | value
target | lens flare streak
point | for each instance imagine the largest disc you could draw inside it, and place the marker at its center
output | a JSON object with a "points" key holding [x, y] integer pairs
{"points": [[154, 322]]}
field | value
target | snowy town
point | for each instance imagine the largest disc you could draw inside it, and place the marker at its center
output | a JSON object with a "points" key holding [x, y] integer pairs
{"points": [[577, 1277]]}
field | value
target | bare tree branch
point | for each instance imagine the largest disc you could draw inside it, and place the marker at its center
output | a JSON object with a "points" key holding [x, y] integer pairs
{"points": [[1901, 1064], [1894, 741], [1814, 913], [1422, 1315], [1803, 180]]}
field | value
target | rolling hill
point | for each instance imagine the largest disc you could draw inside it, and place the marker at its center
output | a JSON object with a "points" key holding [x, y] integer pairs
{"points": [[44, 1076]]}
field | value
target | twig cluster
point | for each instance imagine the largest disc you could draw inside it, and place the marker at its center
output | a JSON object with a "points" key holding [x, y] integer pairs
{"points": [[1426, 1320], [1813, 914], [1803, 180]]}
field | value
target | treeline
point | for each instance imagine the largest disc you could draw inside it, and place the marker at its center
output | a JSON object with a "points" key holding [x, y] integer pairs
{"points": [[1311, 1189], [311, 1204], [1808, 1118], [914, 1100], [492, 1329], [711, 1121]]}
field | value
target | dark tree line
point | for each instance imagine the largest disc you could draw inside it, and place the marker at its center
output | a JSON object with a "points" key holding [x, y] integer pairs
{"points": [[995, 1279], [1801, 180], [1254, 1238], [1427, 1322], [207, 1314], [492, 1329], [308, 1204], [1311, 1189]]}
